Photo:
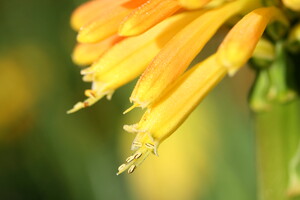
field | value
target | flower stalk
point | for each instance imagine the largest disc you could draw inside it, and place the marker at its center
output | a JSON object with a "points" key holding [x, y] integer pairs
{"points": [[277, 143]]}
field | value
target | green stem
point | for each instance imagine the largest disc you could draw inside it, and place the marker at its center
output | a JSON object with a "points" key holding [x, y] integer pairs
{"points": [[277, 135]]}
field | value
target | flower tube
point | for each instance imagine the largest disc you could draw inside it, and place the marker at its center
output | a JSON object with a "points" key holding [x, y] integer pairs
{"points": [[122, 63], [240, 42], [107, 23], [146, 16], [91, 10], [86, 54], [164, 116], [177, 55]]}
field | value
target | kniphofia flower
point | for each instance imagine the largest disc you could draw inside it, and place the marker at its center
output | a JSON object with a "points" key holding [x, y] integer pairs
{"points": [[158, 39]]}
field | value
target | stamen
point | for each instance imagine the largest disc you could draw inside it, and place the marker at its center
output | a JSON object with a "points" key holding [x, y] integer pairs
{"points": [[135, 160], [130, 158], [121, 167], [90, 93], [131, 108], [131, 169], [150, 146], [76, 107], [137, 155], [137, 144], [94, 96]]}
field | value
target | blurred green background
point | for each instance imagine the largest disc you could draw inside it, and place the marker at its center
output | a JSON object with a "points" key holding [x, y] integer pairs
{"points": [[47, 154]]}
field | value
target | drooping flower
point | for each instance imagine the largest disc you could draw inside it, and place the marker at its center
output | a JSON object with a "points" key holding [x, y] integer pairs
{"points": [[240, 42], [163, 117], [122, 62], [159, 39], [177, 55]]}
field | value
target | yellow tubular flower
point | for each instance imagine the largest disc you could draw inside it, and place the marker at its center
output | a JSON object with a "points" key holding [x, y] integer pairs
{"points": [[176, 56], [91, 10], [107, 23], [193, 4], [292, 4], [122, 63], [240, 42], [163, 117], [86, 54], [122, 39], [146, 16]]}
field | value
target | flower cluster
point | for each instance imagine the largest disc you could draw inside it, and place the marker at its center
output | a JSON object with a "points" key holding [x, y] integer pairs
{"points": [[158, 40]]}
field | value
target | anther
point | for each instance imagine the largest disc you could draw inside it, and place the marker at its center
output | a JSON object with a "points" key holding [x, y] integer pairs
{"points": [[137, 144], [121, 167], [90, 93], [137, 155], [150, 146], [85, 104], [131, 169], [129, 159]]}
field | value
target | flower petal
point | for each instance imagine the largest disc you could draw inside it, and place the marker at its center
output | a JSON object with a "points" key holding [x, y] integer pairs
{"points": [[86, 54], [240, 42], [147, 15], [176, 56], [164, 116], [122, 63], [107, 23], [90, 10]]}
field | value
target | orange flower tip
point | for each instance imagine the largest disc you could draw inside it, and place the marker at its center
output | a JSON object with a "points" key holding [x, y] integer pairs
{"points": [[131, 108], [87, 12], [79, 14], [133, 161], [106, 21]]}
